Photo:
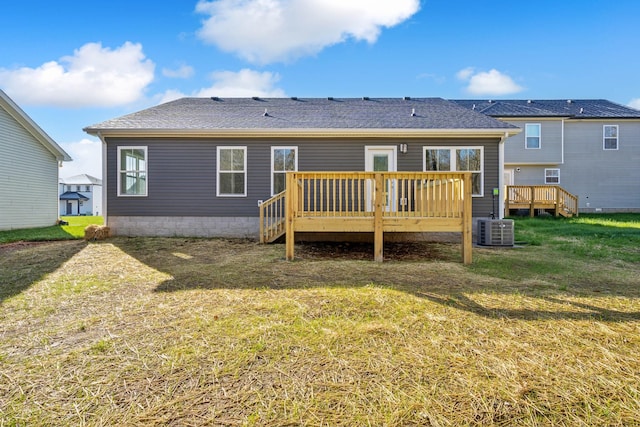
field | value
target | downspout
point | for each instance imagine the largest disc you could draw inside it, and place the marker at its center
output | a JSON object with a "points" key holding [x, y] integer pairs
{"points": [[562, 143], [501, 196]]}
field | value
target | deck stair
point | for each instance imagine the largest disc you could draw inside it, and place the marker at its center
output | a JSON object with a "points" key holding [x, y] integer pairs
{"points": [[272, 218], [535, 198]]}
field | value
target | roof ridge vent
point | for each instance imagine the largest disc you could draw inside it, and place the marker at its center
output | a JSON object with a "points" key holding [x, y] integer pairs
{"points": [[365, 98], [215, 98], [255, 98], [294, 98], [406, 98], [330, 98]]}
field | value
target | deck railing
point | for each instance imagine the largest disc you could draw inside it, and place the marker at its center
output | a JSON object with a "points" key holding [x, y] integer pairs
{"points": [[272, 218], [544, 197], [378, 202]]}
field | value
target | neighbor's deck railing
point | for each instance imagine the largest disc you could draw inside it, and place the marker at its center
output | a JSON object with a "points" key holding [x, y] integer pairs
{"points": [[534, 197], [378, 202]]}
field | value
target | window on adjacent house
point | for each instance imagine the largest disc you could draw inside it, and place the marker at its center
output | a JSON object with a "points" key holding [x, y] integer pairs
{"points": [[232, 171], [552, 176], [462, 159], [87, 188], [283, 160], [610, 135], [532, 135], [132, 167]]}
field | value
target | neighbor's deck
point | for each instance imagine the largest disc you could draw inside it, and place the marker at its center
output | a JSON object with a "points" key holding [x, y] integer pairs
{"points": [[370, 202], [541, 197]]}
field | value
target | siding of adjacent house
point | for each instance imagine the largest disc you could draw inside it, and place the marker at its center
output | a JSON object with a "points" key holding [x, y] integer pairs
{"points": [[550, 151], [182, 172], [603, 179], [28, 178]]}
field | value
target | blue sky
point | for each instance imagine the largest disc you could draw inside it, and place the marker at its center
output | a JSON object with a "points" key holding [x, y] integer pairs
{"points": [[70, 64]]}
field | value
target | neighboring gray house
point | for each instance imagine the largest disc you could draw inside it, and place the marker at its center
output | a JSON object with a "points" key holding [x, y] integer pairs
{"points": [[80, 195], [201, 166], [590, 147], [29, 164]]}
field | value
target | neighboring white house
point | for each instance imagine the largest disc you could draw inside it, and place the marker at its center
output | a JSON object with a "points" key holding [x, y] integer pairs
{"points": [[29, 165], [80, 195]]}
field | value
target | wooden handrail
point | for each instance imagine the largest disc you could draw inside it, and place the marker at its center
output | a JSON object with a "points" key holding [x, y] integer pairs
{"points": [[272, 218]]}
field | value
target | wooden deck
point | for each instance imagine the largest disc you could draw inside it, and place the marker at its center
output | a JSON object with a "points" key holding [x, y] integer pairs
{"points": [[371, 202], [550, 198]]}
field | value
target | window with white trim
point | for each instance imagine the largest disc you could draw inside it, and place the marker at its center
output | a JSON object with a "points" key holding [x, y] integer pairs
{"points": [[610, 137], [283, 160], [232, 171], [532, 135], [552, 176], [457, 159], [132, 171]]}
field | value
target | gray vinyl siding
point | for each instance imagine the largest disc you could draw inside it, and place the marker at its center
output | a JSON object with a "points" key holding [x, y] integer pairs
{"points": [[28, 178], [605, 179], [182, 175], [550, 151]]}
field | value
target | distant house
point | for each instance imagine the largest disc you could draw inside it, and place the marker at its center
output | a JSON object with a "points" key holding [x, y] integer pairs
{"points": [[29, 164], [203, 166], [591, 147], [80, 195]]}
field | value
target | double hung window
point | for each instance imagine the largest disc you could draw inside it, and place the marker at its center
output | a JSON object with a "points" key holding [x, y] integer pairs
{"points": [[132, 171], [460, 159]]}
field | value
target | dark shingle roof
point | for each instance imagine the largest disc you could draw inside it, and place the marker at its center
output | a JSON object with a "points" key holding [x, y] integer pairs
{"points": [[574, 108], [211, 114], [72, 195]]}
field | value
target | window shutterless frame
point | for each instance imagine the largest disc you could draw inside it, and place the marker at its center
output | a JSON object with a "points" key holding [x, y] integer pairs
{"points": [[283, 160], [532, 136], [456, 159], [610, 137], [133, 172], [552, 176], [231, 167]]}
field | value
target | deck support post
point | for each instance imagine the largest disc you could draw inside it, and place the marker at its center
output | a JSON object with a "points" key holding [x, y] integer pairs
{"points": [[378, 236], [467, 221], [289, 216], [532, 205]]}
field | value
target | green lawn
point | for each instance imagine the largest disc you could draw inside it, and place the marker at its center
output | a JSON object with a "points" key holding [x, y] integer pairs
{"points": [[75, 230], [179, 331]]}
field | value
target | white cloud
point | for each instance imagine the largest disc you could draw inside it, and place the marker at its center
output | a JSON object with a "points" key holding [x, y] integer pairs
{"points": [[232, 84], [94, 76], [182, 72], [491, 82], [465, 73], [87, 158], [634, 103], [265, 31]]}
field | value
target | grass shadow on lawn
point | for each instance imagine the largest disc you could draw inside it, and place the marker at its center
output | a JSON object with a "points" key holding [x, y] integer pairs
{"points": [[426, 270], [24, 263]]}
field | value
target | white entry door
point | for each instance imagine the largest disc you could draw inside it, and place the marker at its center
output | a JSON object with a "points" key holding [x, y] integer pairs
{"points": [[382, 159]]}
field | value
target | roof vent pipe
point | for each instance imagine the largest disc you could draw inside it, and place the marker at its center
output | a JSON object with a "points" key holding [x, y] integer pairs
{"points": [[413, 112], [266, 113], [569, 101]]}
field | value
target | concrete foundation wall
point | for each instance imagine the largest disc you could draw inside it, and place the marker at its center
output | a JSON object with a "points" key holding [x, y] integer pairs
{"points": [[159, 226]]}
